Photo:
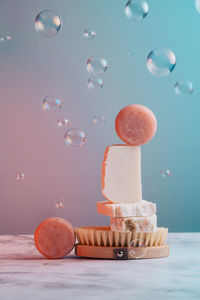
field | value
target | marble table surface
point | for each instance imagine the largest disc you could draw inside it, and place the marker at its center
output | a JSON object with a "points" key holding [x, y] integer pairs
{"points": [[25, 274]]}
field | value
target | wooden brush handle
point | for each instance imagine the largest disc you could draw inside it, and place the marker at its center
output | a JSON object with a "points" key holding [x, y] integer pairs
{"points": [[121, 253]]}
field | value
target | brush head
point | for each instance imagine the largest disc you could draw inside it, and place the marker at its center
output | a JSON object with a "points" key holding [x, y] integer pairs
{"points": [[105, 237]]}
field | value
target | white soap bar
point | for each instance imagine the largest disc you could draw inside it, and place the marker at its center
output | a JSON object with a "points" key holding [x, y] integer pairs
{"points": [[139, 224], [138, 209], [121, 174]]}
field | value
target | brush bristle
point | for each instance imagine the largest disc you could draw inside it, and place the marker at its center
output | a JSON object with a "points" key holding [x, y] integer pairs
{"points": [[103, 236]]}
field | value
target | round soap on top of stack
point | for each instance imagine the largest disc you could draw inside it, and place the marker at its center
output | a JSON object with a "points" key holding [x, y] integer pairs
{"points": [[135, 124], [121, 173]]}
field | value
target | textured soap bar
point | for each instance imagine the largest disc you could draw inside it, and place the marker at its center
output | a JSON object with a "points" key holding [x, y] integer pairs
{"points": [[121, 174], [138, 209], [54, 237], [139, 224], [135, 124]]}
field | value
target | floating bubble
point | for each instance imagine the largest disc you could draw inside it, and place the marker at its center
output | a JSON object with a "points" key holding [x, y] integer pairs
{"points": [[5, 38], [197, 5], [89, 34], [137, 249], [165, 173], [48, 23], [63, 123], [96, 65], [59, 204], [99, 120], [130, 53], [136, 10], [95, 83], [75, 137], [20, 176], [161, 61], [183, 87], [51, 103]]}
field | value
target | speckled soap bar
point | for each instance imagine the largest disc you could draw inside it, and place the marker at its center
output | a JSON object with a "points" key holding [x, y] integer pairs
{"points": [[139, 224]]}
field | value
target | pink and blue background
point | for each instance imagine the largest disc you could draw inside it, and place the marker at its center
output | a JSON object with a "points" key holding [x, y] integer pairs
{"points": [[33, 66]]}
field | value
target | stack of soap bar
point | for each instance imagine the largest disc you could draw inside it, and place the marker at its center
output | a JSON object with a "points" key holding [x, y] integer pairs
{"points": [[121, 186]]}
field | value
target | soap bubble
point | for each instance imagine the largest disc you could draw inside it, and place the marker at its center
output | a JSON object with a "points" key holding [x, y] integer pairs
{"points": [[89, 34], [161, 61], [130, 53], [20, 176], [165, 173], [95, 83], [63, 123], [51, 103], [48, 23], [183, 87], [75, 137], [96, 65], [197, 5], [136, 10], [137, 249], [59, 204], [5, 38], [99, 120]]}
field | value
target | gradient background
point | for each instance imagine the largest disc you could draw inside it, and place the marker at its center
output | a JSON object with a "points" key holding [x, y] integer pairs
{"points": [[33, 66]]}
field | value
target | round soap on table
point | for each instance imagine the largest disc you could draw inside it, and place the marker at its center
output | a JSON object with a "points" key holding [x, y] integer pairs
{"points": [[54, 238], [135, 124]]}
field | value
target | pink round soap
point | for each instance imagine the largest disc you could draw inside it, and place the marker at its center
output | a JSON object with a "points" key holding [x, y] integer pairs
{"points": [[135, 124], [54, 238]]}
